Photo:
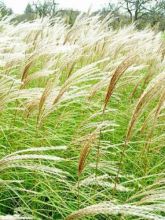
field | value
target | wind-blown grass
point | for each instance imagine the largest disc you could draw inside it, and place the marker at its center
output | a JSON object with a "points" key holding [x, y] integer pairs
{"points": [[81, 120]]}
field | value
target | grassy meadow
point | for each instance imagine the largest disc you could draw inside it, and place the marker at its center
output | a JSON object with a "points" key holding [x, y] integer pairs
{"points": [[82, 129]]}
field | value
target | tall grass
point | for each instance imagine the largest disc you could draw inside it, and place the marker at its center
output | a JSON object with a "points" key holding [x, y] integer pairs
{"points": [[81, 121]]}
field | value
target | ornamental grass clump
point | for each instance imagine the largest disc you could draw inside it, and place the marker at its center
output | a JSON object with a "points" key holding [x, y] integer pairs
{"points": [[82, 112]]}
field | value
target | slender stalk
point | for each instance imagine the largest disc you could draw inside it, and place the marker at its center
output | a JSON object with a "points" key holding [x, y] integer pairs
{"points": [[78, 192]]}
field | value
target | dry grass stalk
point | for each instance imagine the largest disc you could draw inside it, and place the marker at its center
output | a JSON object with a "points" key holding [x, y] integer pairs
{"points": [[109, 208], [14, 217], [104, 181], [25, 72], [154, 88], [116, 76], [21, 159], [45, 95], [91, 140]]}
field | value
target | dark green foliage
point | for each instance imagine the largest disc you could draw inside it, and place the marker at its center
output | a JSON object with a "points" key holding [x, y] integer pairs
{"points": [[4, 10]]}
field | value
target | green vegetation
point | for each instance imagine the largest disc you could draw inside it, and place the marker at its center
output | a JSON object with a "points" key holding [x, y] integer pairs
{"points": [[82, 121]]}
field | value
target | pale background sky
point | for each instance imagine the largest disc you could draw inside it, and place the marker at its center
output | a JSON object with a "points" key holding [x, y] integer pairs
{"points": [[18, 6]]}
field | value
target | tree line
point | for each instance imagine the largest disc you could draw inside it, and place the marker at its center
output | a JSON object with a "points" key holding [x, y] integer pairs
{"points": [[142, 12]]}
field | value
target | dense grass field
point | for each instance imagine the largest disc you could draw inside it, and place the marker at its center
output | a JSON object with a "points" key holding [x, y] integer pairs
{"points": [[82, 130]]}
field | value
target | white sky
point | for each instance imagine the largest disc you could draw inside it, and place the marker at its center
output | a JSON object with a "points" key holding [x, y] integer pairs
{"points": [[18, 6]]}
